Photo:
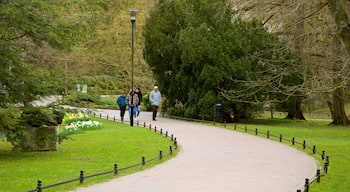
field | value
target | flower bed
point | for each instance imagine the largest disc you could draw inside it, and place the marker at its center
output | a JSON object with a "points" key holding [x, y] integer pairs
{"points": [[78, 123]]}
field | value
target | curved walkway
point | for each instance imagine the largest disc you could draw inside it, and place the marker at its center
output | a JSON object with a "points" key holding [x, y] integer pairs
{"points": [[213, 159]]}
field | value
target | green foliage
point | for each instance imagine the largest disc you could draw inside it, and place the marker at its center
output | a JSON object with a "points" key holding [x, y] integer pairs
{"points": [[40, 116], [101, 84], [146, 102], [198, 47], [83, 99]]}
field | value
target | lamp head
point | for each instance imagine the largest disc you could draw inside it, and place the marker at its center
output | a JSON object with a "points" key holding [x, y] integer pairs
{"points": [[133, 14]]}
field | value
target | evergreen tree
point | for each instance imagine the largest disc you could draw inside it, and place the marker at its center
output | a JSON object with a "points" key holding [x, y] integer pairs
{"points": [[203, 54]]}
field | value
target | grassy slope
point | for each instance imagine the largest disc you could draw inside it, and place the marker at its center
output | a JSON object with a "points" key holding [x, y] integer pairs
{"points": [[93, 151]]}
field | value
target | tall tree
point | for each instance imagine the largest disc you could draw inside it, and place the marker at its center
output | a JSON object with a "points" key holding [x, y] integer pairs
{"points": [[26, 26], [200, 48], [322, 34]]}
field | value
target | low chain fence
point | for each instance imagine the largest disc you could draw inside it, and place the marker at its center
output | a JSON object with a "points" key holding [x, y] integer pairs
{"points": [[320, 172], [114, 169]]}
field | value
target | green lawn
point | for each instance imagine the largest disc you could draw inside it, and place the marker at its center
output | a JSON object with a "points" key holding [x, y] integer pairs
{"points": [[92, 151], [334, 140]]}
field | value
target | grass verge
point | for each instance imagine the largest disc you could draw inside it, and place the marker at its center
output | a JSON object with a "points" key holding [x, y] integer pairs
{"points": [[93, 151]]}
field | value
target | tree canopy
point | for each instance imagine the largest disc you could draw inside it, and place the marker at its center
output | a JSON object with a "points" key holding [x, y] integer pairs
{"points": [[203, 54], [26, 27]]}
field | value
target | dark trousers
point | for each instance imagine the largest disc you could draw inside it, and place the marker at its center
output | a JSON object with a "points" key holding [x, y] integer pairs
{"points": [[154, 110], [122, 111]]}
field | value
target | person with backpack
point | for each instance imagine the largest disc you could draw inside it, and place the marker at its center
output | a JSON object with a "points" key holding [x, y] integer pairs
{"points": [[121, 101]]}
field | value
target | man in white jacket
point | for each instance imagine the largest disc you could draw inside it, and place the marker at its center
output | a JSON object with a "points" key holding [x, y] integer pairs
{"points": [[155, 98]]}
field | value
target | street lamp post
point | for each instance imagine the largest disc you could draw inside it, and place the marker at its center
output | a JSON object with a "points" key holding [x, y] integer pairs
{"points": [[133, 20]]}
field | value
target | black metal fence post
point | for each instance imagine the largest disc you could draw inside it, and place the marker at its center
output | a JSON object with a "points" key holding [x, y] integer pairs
{"points": [[38, 187], [281, 137], [307, 184], [314, 149], [323, 154], [318, 175], [143, 160], [325, 169], [81, 177], [115, 169], [160, 154]]}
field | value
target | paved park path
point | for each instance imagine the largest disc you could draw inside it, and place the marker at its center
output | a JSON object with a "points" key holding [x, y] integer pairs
{"points": [[216, 160]]}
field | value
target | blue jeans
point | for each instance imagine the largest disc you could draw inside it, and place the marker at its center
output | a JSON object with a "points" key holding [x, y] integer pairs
{"points": [[134, 110]]}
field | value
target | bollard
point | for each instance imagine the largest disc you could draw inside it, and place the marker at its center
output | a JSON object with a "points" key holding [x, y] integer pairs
{"points": [[172, 137], [137, 123], [293, 141], [256, 131], [155, 128], [143, 160], [166, 133], [318, 175], [144, 124], [161, 131], [245, 129], [150, 126], [107, 116], [81, 177], [235, 126], [38, 188], [100, 115], [281, 137], [304, 144], [307, 184], [115, 169], [113, 118], [268, 134], [160, 154]]}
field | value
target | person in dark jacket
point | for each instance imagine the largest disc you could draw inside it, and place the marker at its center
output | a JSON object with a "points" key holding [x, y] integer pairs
{"points": [[132, 100], [121, 101], [139, 94]]}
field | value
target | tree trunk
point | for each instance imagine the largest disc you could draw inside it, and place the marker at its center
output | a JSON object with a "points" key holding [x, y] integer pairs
{"points": [[339, 115], [297, 112], [341, 12]]}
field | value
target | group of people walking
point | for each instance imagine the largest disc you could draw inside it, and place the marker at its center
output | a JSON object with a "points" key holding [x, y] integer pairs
{"points": [[133, 101]]}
